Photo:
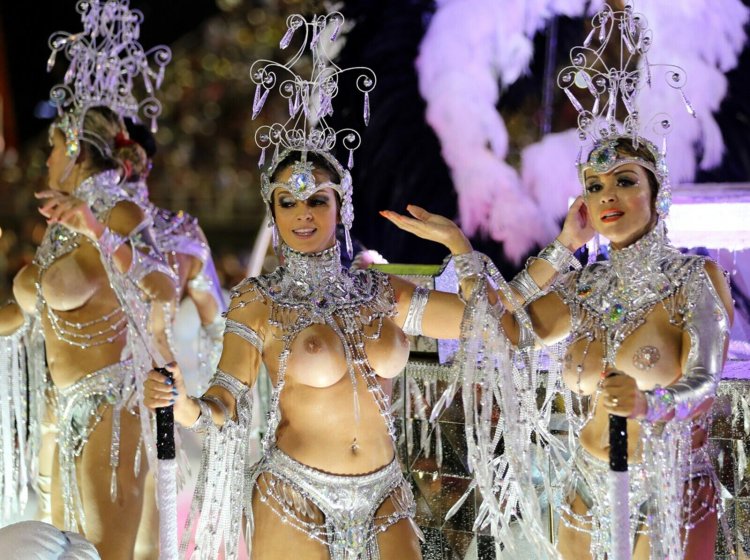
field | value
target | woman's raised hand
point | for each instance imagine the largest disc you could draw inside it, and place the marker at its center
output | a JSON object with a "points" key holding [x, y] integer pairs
{"points": [[432, 227], [72, 212], [577, 229]]}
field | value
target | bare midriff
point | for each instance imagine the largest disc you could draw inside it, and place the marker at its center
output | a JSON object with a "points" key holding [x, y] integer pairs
{"points": [[318, 425]]}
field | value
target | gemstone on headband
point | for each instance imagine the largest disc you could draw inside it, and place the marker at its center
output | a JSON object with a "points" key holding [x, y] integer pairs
{"points": [[302, 178]]}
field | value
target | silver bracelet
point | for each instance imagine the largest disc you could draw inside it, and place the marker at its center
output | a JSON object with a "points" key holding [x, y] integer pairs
{"points": [[524, 284], [659, 403], [467, 265], [205, 419], [559, 257], [413, 322]]}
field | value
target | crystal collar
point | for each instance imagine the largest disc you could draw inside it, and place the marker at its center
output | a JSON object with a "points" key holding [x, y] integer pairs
{"points": [[101, 191], [646, 252], [318, 270]]}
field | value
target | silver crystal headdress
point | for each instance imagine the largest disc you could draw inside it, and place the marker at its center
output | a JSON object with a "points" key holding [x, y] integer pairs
{"points": [[310, 103], [105, 61], [606, 87]]}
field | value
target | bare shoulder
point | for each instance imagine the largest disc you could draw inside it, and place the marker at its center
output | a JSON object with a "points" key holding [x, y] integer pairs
{"points": [[249, 304], [11, 318], [124, 217], [720, 281], [400, 286]]}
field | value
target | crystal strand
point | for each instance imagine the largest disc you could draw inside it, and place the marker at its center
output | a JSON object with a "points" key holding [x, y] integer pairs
{"points": [[367, 108], [348, 239], [350, 163]]}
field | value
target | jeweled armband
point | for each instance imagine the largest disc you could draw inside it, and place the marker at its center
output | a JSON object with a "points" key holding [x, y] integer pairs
{"points": [[413, 322], [524, 284], [467, 265], [559, 257]]}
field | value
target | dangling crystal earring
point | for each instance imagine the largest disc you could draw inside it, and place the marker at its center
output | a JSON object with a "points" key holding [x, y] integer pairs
{"points": [[595, 247], [348, 239]]}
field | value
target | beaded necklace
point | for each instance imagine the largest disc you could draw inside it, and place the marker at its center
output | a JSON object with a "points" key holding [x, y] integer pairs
{"points": [[313, 288]]}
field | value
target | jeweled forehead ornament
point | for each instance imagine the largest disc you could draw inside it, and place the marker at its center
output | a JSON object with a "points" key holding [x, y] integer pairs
{"points": [[605, 87], [105, 60], [310, 102]]}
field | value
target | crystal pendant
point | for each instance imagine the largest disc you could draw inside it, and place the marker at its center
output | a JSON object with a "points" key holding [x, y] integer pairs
{"points": [[688, 105], [350, 163], [262, 158], [367, 108], [336, 29], [573, 100], [51, 61], [113, 486], [287, 38], [589, 38], [259, 100]]}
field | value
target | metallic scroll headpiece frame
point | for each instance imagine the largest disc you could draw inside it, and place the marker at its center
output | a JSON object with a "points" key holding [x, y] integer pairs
{"points": [[310, 103], [106, 62], [607, 86]]}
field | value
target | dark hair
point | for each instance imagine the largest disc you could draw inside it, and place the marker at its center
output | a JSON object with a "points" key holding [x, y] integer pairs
{"points": [[142, 135], [102, 125]]}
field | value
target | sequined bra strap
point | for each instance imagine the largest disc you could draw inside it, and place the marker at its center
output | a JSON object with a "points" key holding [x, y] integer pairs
{"points": [[244, 332]]}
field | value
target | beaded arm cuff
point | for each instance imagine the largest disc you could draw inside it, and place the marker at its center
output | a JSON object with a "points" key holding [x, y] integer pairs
{"points": [[468, 265], [524, 284], [417, 305], [559, 257], [205, 419]]}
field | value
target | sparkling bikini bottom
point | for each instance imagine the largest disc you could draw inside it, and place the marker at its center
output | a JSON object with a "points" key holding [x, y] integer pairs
{"points": [[349, 526], [589, 479], [80, 407]]}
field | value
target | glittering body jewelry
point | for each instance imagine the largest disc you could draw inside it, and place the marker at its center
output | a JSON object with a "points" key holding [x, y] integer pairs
{"points": [[312, 289], [80, 406], [178, 233]]}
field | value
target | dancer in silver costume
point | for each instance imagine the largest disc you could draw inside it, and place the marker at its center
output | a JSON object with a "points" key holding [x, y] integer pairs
{"points": [[644, 337], [181, 240], [183, 244], [328, 484], [89, 296], [641, 336]]}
